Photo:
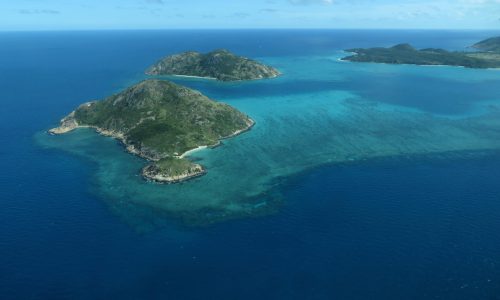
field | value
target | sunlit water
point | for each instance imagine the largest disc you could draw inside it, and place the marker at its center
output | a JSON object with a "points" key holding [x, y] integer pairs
{"points": [[366, 180], [320, 111]]}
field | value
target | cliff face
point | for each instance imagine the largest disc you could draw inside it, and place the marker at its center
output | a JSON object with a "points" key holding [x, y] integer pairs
{"points": [[220, 64], [159, 120]]}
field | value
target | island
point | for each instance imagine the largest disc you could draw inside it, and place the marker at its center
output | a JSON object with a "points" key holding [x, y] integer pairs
{"points": [[406, 54], [162, 122], [488, 45], [219, 64]]}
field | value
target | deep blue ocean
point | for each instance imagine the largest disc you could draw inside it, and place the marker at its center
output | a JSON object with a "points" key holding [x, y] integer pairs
{"points": [[423, 227]]}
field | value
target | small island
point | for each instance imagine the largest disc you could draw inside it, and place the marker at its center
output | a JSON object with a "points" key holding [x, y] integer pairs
{"points": [[488, 45], [162, 122], [488, 57], [219, 64]]}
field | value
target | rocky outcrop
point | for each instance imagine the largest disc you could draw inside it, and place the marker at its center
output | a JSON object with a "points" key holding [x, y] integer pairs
{"points": [[68, 124], [154, 173]]}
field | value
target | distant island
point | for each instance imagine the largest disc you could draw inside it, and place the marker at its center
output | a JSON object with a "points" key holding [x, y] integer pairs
{"points": [[161, 122], [488, 57], [219, 64], [489, 45]]}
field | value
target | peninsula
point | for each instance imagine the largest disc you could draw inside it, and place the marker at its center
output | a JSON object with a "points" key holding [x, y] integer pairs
{"points": [[406, 54], [160, 121], [219, 64]]}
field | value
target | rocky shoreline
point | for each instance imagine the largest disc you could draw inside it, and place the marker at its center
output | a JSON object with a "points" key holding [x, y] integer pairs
{"points": [[150, 172], [276, 75], [69, 124]]}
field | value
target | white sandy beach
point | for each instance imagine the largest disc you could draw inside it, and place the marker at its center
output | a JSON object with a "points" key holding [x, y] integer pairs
{"points": [[189, 152], [198, 77]]}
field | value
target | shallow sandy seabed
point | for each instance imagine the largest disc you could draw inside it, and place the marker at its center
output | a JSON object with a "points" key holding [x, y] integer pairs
{"points": [[294, 133]]}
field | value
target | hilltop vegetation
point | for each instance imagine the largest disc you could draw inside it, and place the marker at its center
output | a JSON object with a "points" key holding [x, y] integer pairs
{"points": [[160, 120], [220, 64], [406, 54]]}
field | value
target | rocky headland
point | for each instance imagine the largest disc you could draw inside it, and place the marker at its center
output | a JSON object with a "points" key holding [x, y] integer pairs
{"points": [[160, 121]]}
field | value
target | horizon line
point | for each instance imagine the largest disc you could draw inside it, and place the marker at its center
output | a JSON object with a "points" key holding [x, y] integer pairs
{"points": [[247, 28]]}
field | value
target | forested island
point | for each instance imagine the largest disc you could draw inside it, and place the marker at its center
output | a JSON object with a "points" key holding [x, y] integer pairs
{"points": [[488, 55], [160, 121], [219, 64]]}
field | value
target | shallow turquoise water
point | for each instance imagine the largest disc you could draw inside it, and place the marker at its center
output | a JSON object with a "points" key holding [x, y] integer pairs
{"points": [[321, 111], [404, 227]]}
